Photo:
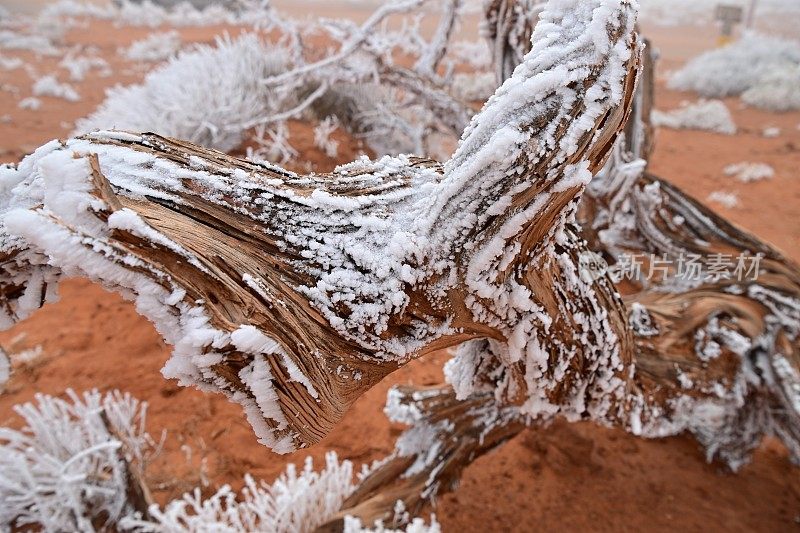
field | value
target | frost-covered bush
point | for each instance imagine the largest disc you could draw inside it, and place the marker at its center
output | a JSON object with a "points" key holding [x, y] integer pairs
{"points": [[40, 44], [154, 47], [295, 502], [151, 14], [5, 370], [701, 12], [68, 467], [777, 90], [710, 115], [724, 198], [747, 172], [754, 63], [79, 66], [30, 103], [50, 86], [204, 95], [10, 63]]}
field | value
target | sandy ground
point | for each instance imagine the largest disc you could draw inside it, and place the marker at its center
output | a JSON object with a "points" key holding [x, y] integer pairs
{"points": [[566, 477]]}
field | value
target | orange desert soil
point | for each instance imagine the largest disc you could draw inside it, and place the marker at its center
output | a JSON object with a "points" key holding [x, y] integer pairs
{"points": [[566, 477]]}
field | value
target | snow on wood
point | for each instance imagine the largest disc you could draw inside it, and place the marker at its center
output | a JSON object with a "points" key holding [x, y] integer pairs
{"points": [[365, 243]]}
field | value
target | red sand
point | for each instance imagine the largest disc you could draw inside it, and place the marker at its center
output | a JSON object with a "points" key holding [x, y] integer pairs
{"points": [[566, 477]]}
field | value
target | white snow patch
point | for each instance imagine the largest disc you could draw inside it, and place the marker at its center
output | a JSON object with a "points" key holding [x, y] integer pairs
{"points": [[771, 132], [5, 370]]}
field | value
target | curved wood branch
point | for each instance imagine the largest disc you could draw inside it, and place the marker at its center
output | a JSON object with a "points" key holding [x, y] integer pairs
{"points": [[718, 359], [295, 294]]}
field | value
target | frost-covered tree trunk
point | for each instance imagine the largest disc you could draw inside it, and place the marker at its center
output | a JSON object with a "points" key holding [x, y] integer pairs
{"points": [[294, 294]]}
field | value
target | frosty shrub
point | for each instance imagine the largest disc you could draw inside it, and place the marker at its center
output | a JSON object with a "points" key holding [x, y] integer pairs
{"points": [[79, 66], [215, 96], [50, 86], [724, 198], [417, 525], [202, 95], [700, 12], [295, 502], [5, 370], [778, 90], [30, 103], [157, 46], [763, 66], [68, 468], [40, 44], [747, 172], [709, 115], [151, 14]]}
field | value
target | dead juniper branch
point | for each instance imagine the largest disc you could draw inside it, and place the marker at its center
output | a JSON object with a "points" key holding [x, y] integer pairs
{"points": [[718, 359], [294, 294], [392, 107]]}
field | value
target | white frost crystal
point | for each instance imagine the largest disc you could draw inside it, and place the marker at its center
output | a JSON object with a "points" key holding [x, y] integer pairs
{"points": [[734, 68]]}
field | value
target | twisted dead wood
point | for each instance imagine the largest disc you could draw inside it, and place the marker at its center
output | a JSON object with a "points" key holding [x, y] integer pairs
{"points": [[294, 294], [717, 357]]}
